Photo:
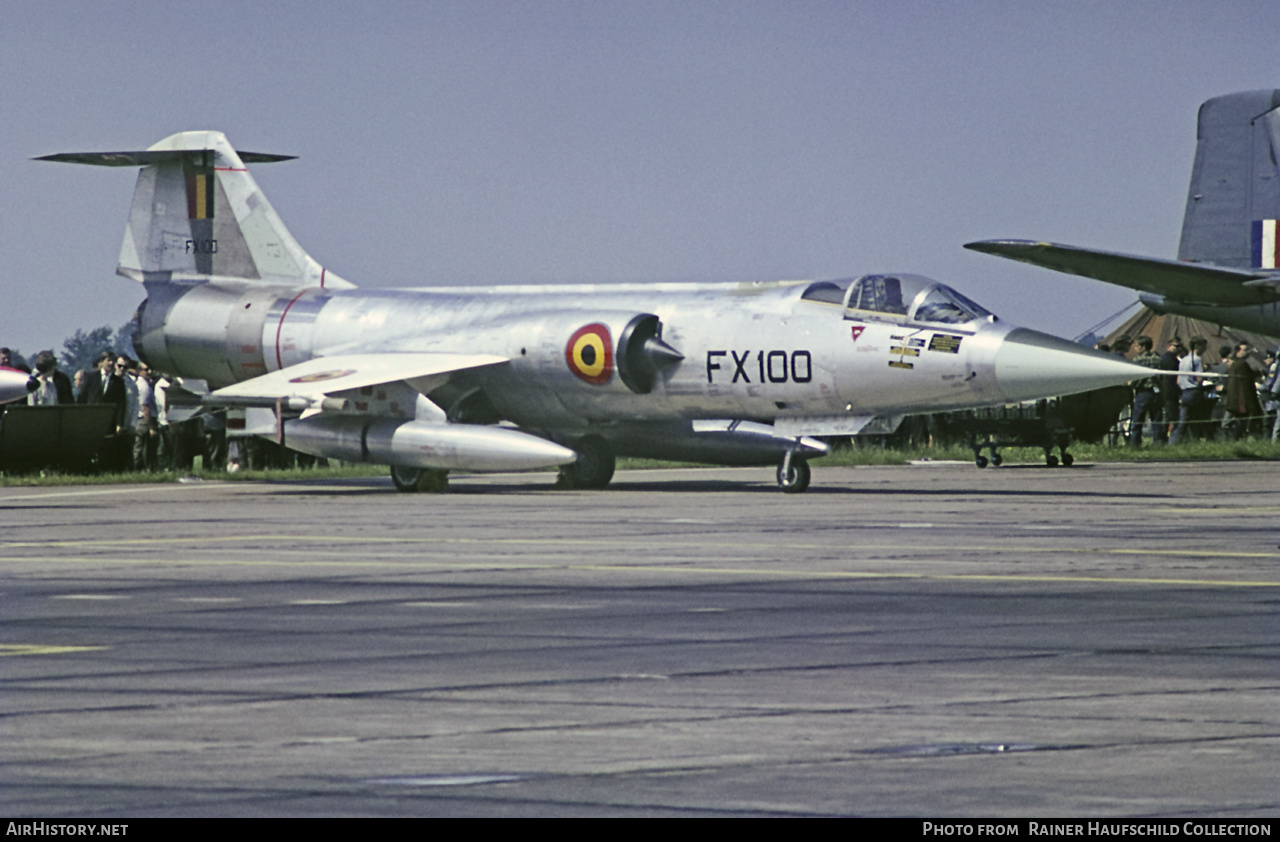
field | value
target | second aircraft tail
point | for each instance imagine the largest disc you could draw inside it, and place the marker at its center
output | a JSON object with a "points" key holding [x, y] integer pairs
{"points": [[1234, 201], [1229, 255]]}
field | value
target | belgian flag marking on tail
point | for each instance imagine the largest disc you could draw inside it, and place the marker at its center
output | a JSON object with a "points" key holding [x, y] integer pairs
{"points": [[589, 354], [200, 195]]}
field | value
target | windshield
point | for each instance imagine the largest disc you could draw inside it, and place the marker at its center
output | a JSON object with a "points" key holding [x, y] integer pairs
{"points": [[943, 304]]}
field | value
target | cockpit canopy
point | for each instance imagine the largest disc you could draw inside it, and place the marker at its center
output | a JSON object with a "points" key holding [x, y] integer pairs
{"points": [[898, 298]]}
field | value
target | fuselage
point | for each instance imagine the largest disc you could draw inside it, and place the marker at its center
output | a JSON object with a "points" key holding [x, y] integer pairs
{"points": [[750, 351]]}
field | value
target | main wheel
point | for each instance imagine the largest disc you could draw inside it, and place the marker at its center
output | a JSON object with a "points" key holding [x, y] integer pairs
{"points": [[593, 468], [795, 480], [412, 480]]}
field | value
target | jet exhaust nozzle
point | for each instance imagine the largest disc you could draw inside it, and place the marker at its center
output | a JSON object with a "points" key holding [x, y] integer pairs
{"points": [[642, 355]]}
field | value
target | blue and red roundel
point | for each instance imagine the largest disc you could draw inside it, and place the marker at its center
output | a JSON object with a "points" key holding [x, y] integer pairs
{"points": [[589, 354]]}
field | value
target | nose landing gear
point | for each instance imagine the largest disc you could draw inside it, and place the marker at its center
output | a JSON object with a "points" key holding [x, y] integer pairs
{"points": [[793, 474]]}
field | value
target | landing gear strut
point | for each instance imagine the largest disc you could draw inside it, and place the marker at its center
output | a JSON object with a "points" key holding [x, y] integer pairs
{"points": [[427, 480], [593, 468]]}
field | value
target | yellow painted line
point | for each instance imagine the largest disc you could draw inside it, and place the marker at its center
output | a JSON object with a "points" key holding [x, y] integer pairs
{"points": [[122, 542], [113, 490], [7, 649], [686, 542], [441, 604], [506, 566], [1216, 510]]}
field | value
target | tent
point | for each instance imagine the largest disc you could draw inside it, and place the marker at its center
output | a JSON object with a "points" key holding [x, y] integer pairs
{"points": [[1162, 328]]}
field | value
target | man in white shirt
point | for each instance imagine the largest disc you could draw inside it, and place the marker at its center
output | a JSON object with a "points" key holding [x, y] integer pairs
{"points": [[1193, 404], [144, 431]]}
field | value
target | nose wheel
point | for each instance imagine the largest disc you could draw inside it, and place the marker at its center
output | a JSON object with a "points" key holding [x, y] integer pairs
{"points": [[793, 475]]}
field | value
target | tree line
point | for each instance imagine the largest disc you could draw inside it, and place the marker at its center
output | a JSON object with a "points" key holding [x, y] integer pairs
{"points": [[82, 347]]}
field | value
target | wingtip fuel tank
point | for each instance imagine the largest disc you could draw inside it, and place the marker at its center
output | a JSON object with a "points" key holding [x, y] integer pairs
{"points": [[420, 444], [15, 385]]}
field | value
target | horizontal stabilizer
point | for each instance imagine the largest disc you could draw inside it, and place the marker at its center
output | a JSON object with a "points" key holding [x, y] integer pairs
{"points": [[148, 157], [314, 379], [1188, 282]]}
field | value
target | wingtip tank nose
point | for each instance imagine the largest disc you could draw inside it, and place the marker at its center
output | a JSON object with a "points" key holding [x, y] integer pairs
{"points": [[1030, 365], [15, 384]]}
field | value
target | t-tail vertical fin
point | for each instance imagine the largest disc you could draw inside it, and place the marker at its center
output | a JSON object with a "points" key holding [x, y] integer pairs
{"points": [[1234, 200], [198, 215]]}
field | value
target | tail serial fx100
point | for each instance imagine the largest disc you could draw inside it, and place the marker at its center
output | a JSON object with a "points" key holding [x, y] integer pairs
{"points": [[521, 377]]}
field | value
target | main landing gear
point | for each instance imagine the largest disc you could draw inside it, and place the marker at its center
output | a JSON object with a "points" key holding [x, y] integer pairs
{"points": [[593, 468], [1050, 460], [982, 461], [424, 480]]}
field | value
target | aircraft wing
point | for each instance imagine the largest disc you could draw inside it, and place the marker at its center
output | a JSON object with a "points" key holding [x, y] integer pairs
{"points": [[314, 379], [1196, 283]]}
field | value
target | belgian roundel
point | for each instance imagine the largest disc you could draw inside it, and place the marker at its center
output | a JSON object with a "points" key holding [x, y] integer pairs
{"points": [[589, 354]]}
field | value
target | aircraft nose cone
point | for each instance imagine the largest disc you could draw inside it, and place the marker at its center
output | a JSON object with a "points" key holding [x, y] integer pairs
{"points": [[1031, 365]]}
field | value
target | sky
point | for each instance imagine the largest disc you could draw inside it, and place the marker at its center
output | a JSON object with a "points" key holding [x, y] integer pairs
{"points": [[483, 142]]}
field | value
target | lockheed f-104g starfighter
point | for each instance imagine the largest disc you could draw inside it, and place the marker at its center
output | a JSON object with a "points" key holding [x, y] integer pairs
{"points": [[517, 377]]}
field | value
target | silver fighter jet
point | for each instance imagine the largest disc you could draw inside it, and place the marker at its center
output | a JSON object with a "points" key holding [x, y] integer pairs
{"points": [[520, 377]]}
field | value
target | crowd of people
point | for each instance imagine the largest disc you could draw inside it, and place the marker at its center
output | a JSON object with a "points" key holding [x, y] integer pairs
{"points": [[145, 437], [1239, 402]]}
